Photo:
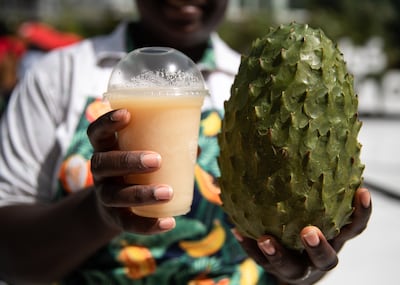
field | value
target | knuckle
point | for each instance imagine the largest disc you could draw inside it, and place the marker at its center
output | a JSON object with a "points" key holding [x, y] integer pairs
{"points": [[324, 260], [96, 163], [359, 230], [140, 195], [91, 128], [127, 159], [131, 160], [94, 128]]}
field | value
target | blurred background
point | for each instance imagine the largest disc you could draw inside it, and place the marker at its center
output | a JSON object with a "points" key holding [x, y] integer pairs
{"points": [[368, 34]]}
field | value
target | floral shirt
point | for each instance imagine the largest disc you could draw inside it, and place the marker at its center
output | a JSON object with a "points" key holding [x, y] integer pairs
{"points": [[200, 250]]}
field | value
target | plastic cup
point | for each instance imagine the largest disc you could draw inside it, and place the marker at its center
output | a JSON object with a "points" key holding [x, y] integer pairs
{"points": [[164, 91]]}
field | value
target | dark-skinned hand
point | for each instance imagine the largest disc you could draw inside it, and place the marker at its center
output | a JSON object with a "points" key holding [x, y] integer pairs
{"points": [[109, 165], [319, 256]]}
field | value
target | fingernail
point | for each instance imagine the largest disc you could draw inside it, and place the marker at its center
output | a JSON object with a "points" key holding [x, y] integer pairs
{"points": [[237, 235], [151, 160], [117, 115], [267, 247], [365, 199], [311, 238], [163, 193], [166, 223]]}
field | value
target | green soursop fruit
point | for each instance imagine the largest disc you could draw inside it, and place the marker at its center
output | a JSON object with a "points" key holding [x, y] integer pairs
{"points": [[289, 150]]}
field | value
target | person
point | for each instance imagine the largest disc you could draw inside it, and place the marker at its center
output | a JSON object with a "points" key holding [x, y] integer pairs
{"points": [[11, 51], [21, 49], [40, 38], [64, 209]]}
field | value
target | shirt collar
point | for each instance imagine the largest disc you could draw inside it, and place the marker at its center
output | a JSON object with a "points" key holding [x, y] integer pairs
{"points": [[111, 48], [117, 44]]}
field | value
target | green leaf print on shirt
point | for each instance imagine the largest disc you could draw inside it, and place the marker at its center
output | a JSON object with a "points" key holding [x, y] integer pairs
{"points": [[162, 259]]}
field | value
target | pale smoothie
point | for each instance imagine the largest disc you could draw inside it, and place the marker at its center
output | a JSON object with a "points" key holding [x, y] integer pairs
{"points": [[168, 125]]}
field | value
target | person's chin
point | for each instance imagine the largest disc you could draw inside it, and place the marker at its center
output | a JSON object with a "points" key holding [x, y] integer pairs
{"points": [[181, 33]]}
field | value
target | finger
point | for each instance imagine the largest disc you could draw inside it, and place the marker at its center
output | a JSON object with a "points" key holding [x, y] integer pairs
{"points": [[361, 214], [251, 248], [287, 263], [359, 219], [136, 195], [272, 256], [320, 252], [102, 131], [119, 163], [141, 225]]}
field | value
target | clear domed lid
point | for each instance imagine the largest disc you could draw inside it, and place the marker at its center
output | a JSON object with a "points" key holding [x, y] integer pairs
{"points": [[156, 67]]}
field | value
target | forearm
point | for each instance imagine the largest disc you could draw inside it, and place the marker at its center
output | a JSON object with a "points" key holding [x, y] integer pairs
{"points": [[44, 243]]}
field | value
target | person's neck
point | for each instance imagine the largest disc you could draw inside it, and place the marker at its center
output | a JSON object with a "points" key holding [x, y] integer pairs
{"points": [[143, 38]]}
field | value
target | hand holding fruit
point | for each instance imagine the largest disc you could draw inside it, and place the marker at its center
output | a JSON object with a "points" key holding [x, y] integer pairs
{"points": [[290, 157], [319, 255]]}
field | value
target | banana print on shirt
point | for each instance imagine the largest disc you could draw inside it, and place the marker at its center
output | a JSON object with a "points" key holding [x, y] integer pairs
{"points": [[200, 250]]}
